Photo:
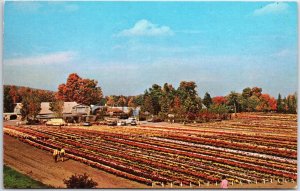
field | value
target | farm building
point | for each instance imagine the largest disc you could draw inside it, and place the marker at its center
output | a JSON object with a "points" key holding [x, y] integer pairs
{"points": [[72, 111], [116, 111], [14, 115]]}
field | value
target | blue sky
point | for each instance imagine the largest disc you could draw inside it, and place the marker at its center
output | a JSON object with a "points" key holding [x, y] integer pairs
{"points": [[128, 46]]}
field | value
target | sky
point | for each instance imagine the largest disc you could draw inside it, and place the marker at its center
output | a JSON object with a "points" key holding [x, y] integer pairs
{"points": [[128, 46]]}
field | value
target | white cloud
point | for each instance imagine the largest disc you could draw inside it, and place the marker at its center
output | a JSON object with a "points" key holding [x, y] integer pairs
{"points": [[53, 58], [146, 28], [272, 8]]}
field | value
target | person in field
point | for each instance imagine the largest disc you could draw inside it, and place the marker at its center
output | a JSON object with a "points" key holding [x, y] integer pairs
{"points": [[62, 154], [224, 183], [55, 154]]}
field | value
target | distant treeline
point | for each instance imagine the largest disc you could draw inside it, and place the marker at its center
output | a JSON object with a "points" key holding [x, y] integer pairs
{"points": [[183, 102], [16, 94]]}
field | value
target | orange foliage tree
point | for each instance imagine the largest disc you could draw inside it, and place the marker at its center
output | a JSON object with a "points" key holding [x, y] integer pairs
{"points": [[267, 103], [218, 100], [83, 91]]}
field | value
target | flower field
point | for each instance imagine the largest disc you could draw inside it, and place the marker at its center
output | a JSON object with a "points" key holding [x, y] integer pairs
{"points": [[252, 148]]}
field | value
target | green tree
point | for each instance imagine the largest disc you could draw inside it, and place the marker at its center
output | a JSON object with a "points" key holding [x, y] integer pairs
{"points": [[170, 93], [189, 97], [219, 109], [155, 94], [164, 102], [57, 107], [207, 101], [280, 108], [8, 105], [253, 102], [243, 103], [232, 101], [247, 92], [138, 100]]}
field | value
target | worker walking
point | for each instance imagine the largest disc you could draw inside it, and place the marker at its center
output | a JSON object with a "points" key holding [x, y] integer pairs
{"points": [[62, 154], [55, 154], [224, 183]]}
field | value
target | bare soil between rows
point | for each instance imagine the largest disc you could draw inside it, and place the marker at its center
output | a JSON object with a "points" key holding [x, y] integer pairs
{"points": [[40, 165]]}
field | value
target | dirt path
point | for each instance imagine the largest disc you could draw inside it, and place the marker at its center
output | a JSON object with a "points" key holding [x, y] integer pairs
{"points": [[39, 165]]}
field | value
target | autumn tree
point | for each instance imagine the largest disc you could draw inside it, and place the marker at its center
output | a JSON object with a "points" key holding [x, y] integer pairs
{"points": [[256, 91], [131, 102], [110, 101], [177, 108], [46, 96], [83, 91], [13, 92], [148, 105], [219, 100], [122, 101], [267, 103], [31, 106], [292, 103]]}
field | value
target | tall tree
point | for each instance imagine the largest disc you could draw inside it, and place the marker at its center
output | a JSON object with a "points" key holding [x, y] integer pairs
{"points": [[256, 91], [189, 97], [131, 102], [31, 106], [8, 103], [110, 101], [57, 107], [207, 101], [83, 91], [165, 105], [247, 92], [267, 103], [148, 105], [155, 94], [232, 101], [279, 104], [13, 92], [253, 102], [122, 101], [292, 103]]}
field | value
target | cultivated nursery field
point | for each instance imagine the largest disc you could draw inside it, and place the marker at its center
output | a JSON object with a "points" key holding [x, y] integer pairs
{"points": [[251, 149]]}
